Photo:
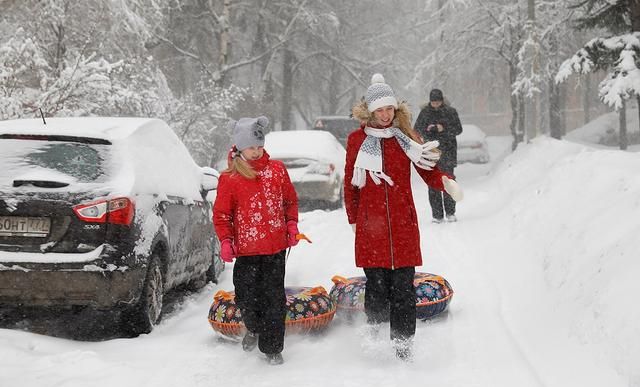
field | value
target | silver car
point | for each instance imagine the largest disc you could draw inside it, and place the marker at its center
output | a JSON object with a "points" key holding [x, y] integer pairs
{"points": [[472, 145], [315, 162]]}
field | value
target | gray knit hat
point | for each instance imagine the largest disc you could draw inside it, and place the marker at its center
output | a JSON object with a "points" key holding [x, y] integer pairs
{"points": [[248, 132], [380, 94]]}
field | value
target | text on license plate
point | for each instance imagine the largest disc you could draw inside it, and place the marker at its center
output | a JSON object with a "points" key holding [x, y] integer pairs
{"points": [[24, 226]]}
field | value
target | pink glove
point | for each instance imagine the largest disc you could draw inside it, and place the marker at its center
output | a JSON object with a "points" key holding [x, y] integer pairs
{"points": [[292, 232], [227, 250]]}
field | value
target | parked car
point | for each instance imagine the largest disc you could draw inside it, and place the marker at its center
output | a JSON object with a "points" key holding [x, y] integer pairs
{"points": [[314, 160], [472, 145], [339, 126], [107, 213]]}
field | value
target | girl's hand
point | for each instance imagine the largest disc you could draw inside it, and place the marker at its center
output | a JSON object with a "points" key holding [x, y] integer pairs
{"points": [[292, 232], [227, 251]]}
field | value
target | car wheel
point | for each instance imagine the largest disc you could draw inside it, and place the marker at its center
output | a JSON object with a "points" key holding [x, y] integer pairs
{"points": [[217, 265], [336, 205], [148, 311]]}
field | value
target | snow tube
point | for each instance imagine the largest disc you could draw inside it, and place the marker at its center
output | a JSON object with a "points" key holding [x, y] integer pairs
{"points": [[433, 294], [308, 309]]}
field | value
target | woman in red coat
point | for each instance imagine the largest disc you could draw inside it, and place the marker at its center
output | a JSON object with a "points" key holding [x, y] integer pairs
{"points": [[379, 205], [255, 216]]}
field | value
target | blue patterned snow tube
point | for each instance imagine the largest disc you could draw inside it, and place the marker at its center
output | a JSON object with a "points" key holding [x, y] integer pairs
{"points": [[433, 294]]}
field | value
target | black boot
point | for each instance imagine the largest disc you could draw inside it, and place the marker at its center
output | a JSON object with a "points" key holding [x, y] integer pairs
{"points": [[250, 341]]}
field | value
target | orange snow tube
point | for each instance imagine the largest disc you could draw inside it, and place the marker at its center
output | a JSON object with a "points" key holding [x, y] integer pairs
{"points": [[308, 309]]}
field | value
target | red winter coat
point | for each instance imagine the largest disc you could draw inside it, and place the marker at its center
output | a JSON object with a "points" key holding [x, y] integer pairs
{"points": [[254, 213], [387, 234]]}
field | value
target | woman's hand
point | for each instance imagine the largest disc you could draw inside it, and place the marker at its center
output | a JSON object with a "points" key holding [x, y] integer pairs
{"points": [[452, 188]]}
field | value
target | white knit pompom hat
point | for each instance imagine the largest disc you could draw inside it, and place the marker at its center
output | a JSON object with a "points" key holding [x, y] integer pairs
{"points": [[380, 94]]}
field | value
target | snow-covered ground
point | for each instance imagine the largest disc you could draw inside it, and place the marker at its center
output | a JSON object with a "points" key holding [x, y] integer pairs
{"points": [[543, 261]]}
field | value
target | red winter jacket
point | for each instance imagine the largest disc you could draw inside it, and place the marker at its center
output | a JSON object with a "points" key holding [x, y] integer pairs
{"points": [[254, 213], [387, 234]]}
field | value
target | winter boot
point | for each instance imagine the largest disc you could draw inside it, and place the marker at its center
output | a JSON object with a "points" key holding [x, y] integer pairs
{"points": [[404, 350], [437, 220], [371, 331], [451, 218], [274, 358], [250, 341]]}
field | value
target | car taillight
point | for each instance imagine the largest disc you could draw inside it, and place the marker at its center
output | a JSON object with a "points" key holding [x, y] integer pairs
{"points": [[114, 211]]}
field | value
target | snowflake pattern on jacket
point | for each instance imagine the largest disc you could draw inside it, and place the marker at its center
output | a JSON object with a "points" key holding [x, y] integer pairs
{"points": [[254, 213]]}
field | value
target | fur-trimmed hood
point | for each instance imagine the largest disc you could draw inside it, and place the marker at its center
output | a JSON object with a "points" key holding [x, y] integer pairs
{"points": [[401, 120]]}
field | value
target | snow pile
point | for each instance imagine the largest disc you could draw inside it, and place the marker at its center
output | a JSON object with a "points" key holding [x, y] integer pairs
{"points": [[604, 130], [561, 239]]}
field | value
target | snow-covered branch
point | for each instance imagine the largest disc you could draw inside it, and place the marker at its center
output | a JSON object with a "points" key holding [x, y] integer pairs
{"points": [[618, 54]]}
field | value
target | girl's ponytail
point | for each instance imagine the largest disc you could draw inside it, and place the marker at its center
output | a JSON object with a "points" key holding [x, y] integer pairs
{"points": [[238, 165]]}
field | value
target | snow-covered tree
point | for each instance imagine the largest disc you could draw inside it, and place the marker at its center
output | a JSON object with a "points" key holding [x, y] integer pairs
{"points": [[68, 62], [618, 54], [477, 37]]}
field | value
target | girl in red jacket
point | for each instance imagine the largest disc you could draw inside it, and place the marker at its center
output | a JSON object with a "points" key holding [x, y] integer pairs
{"points": [[379, 205], [255, 216]]}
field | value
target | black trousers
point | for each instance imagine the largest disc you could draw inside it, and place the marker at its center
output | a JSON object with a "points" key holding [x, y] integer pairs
{"points": [[390, 296], [259, 288], [441, 202]]}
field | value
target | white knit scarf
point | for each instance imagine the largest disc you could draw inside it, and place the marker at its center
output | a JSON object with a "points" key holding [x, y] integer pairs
{"points": [[369, 156]]}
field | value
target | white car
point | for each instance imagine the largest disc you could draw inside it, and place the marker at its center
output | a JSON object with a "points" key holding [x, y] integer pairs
{"points": [[314, 160], [472, 145]]}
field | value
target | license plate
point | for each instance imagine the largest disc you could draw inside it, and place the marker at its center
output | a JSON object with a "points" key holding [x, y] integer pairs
{"points": [[24, 226]]}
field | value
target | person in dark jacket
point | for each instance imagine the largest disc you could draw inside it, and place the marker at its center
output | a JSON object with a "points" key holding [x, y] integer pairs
{"points": [[380, 209], [440, 122]]}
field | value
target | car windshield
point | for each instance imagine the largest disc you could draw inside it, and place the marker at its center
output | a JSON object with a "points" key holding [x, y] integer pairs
{"points": [[85, 162]]}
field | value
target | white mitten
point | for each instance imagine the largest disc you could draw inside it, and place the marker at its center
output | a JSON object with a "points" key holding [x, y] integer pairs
{"points": [[427, 155], [430, 151], [452, 188]]}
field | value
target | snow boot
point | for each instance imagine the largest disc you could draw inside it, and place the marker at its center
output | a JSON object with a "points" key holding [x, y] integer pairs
{"points": [[274, 358], [451, 218], [404, 350], [250, 341], [437, 220]]}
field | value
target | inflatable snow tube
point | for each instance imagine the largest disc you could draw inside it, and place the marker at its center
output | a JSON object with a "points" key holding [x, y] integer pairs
{"points": [[433, 294], [308, 309]]}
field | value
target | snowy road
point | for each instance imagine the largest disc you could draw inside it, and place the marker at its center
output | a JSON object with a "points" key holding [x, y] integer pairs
{"points": [[474, 344]]}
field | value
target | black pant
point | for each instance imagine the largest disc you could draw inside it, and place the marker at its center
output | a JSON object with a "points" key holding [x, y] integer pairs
{"points": [[259, 287], [436, 199], [390, 296]]}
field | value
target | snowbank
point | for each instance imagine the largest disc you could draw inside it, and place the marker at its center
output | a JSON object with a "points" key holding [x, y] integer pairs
{"points": [[560, 229]]}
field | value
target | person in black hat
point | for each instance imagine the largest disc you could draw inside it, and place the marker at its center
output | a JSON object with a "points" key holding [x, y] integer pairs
{"points": [[439, 121]]}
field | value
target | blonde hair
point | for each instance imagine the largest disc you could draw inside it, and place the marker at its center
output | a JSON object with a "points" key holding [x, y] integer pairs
{"points": [[238, 165], [404, 124]]}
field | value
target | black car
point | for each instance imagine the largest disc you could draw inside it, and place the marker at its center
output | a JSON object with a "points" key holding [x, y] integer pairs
{"points": [[339, 126], [107, 213]]}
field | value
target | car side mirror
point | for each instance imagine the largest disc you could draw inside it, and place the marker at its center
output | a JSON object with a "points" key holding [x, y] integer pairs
{"points": [[209, 179]]}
